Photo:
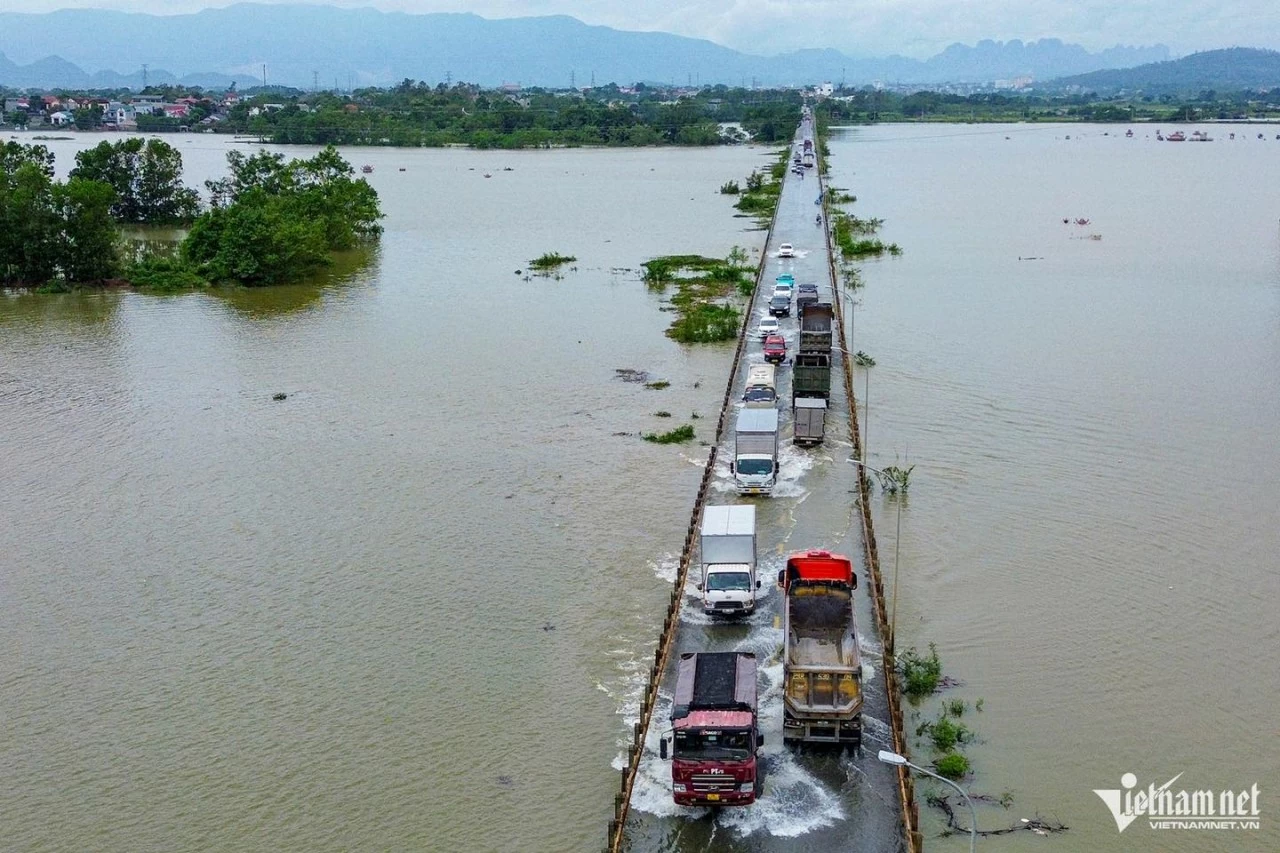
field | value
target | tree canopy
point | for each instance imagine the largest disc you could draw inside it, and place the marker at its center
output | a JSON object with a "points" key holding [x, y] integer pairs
{"points": [[147, 179]]}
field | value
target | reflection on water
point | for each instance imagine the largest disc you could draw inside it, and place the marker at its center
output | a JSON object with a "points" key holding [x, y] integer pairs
{"points": [[352, 269]]}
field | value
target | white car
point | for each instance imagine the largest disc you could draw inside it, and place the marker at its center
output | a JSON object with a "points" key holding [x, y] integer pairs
{"points": [[786, 250], [768, 326], [782, 290]]}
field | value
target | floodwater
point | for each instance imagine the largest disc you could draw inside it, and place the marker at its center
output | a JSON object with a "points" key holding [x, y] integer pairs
{"points": [[1093, 525], [408, 607]]}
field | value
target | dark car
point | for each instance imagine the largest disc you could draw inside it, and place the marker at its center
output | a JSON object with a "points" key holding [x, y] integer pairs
{"points": [[806, 294], [780, 306], [775, 349]]}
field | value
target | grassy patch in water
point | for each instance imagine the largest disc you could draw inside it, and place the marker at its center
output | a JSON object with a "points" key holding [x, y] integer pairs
{"points": [[550, 261], [703, 288], [679, 435]]}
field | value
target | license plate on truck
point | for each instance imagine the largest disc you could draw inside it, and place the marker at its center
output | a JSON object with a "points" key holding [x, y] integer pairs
{"points": [[713, 797]]}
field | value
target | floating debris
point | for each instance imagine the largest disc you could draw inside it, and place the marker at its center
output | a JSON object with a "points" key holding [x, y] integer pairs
{"points": [[279, 395]]}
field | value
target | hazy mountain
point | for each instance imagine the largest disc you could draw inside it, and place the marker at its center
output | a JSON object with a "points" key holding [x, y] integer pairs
{"points": [[328, 45], [1224, 70]]}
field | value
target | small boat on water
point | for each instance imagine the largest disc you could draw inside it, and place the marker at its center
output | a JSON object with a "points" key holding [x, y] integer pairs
{"points": [[1176, 136], [1129, 133], [367, 169], [1201, 136]]}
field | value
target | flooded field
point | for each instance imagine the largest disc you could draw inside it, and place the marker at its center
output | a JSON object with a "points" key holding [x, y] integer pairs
{"points": [[1094, 517], [404, 608]]}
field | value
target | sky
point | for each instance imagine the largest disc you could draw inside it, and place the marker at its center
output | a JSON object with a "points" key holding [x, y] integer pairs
{"points": [[917, 28]]}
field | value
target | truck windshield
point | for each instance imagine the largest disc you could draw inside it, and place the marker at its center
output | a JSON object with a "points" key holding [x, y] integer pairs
{"points": [[728, 580], [713, 745], [755, 467], [760, 394]]}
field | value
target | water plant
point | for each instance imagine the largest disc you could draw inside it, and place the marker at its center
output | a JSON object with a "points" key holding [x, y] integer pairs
{"points": [[861, 359], [679, 435], [921, 674], [730, 188], [662, 413], [953, 765], [550, 261], [894, 479], [657, 385]]}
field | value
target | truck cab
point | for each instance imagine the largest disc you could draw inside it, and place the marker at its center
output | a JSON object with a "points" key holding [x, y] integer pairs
{"points": [[715, 732]]}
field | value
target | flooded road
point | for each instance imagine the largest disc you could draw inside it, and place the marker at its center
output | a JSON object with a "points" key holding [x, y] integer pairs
{"points": [[812, 799], [403, 608], [1094, 517]]}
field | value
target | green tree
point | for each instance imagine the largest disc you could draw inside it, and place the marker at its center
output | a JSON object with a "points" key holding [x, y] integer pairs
{"points": [[88, 118], [14, 154], [273, 221], [29, 225], [147, 179], [89, 248]]}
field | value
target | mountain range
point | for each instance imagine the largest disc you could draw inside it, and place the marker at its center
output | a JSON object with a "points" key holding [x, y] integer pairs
{"points": [[304, 45], [1226, 70]]}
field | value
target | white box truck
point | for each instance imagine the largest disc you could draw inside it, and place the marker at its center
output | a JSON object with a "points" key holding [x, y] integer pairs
{"points": [[755, 453], [728, 549]]}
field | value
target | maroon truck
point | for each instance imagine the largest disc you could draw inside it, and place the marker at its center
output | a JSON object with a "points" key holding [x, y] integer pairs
{"points": [[715, 732]]}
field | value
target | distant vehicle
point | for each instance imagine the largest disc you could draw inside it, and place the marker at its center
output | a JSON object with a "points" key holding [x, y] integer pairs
{"points": [[367, 169], [780, 306], [816, 322], [768, 326], [786, 250], [762, 387], [807, 294], [782, 290], [715, 733], [775, 349]]}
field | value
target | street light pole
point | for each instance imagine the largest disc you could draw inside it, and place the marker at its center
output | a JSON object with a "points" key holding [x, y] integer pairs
{"points": [[893, 758], [897, 551]]}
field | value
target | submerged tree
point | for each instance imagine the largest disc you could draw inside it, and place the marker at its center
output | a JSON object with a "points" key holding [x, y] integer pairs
{"points": [[146, 176]]}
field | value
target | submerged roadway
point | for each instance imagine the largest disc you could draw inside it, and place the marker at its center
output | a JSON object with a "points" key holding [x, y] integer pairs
{"points": [[813, 799]]}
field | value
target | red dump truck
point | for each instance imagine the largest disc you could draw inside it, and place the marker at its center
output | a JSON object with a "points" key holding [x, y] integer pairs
{"points": [[822, 669], [715, 733]]}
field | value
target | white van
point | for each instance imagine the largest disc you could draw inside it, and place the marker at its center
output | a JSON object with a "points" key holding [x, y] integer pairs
{"points": [[762, 389]]}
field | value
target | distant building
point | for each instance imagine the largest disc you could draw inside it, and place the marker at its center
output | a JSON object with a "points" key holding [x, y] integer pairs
{"points": [[61, 118]]}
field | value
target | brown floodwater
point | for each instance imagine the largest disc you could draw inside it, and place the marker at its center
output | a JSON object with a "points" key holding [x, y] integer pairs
{"points": [[1093, 525]]}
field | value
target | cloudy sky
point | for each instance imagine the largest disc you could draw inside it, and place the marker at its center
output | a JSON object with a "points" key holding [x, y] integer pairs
{"points": [[917, 28]]}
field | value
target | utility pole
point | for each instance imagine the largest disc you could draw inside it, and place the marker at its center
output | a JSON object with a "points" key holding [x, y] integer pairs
{"points": [[315, 81], [264, 75], [573, 80], [448, 79], [144, 75], [593, 79]]}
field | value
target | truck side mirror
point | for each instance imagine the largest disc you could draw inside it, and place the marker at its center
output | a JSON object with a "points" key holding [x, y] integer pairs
{"points": [[698, 587], [732, 468], [757, 584], [759, 740], [662, 748], [782, 574]]}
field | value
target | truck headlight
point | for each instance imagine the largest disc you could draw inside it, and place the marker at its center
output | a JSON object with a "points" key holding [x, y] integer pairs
{"points": [[678, 788], [747, 787]]}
